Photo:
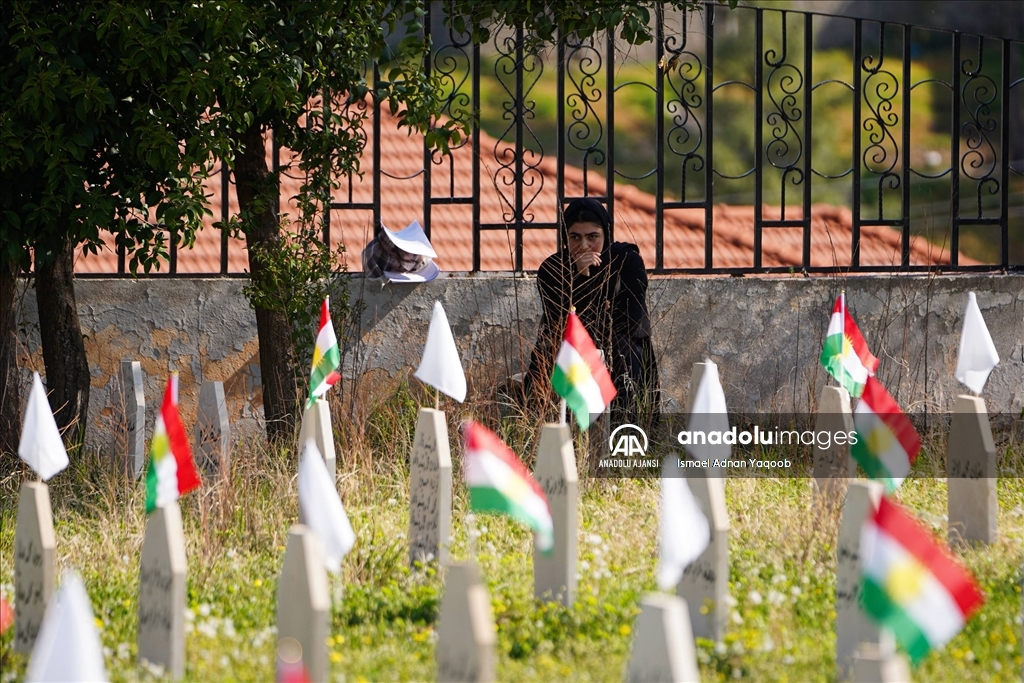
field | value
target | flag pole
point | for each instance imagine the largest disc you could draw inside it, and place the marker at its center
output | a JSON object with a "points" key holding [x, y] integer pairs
{"points": [[561, 412], [437, 399]]}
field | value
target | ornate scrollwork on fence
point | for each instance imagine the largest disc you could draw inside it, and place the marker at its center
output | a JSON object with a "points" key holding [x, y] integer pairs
{"points": [[880, 89], [452, 67], [517, 163], [784, 82], [979, 161], [685, 138], [586, 132]]}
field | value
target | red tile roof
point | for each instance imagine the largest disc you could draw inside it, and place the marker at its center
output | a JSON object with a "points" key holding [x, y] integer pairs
{"points": [[451, 231]]}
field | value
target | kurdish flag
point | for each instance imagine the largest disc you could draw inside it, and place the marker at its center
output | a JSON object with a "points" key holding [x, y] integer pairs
{"points": [[887, 443], [910, 584], [579, 375], [171, 473], [499, 483], [326, 356], [846, 355]]}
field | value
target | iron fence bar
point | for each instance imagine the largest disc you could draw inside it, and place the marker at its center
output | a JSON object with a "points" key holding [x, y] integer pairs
{"points": [[476, 156], [225, 179], [376, 156], [659, 127], [609, 107], [1004, 154], [858, 92], [954, 158], [808, 47], [560, 141], [427, 152], [520, 109], [709, 52], [905, 180], [758, 133]]}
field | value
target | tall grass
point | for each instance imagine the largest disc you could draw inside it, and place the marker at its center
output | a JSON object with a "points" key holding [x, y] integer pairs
{"points": [[384, 615]]}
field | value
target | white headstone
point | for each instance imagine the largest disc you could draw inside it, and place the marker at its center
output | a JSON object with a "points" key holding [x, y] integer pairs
{"points": [[34, 543], [134, 416], [316, 425], [304, 601], [162, 591], [430, 490], [853, 627], [663, 645], [466, 640], [695, 376], [873, 666], [212, 432], [705, 582], [971, 474], [554, 574], [834, 465]]}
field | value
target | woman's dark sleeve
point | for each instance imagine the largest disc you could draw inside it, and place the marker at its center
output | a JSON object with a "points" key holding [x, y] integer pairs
{"points": [[631, 300], [553, 298]]}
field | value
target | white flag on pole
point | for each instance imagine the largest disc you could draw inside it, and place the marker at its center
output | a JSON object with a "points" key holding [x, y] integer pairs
{"points": [[685, 531], [978, 354], [322, 510], [709, 415], [68, 648], [41, 446], [441, 367]]}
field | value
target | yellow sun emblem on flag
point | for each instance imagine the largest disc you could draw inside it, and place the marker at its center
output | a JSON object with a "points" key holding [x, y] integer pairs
{"points": [[905, 580], [578, 373], [879, 439]]}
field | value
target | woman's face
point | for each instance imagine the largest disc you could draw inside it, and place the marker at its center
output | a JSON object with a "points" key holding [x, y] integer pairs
{"points": [[585, 237]]}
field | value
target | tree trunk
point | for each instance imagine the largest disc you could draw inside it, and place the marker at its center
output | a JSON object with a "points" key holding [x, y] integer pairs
{"points": [[10, 399], [257, 197], [67, 368]]}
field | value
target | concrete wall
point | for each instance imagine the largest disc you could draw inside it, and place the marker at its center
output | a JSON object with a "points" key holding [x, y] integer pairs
{"points": [[765, 334]]}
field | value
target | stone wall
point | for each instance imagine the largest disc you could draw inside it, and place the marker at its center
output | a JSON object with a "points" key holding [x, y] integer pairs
{"points": [[765, 333]]}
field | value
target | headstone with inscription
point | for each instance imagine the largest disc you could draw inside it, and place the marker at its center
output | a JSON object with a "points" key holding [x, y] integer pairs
{"points": [[304, 601], [133, 404], [466, 640], [162, 575], [971, 474], [316, 425], [834, 465], [853, 627], [430, 490], [34, 543], [705, 582], [870, 665], [663, 645], [212, 431], [554, 573]]}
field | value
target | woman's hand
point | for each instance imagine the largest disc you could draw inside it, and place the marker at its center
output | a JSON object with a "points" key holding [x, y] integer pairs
{"points": [[585, 260]]}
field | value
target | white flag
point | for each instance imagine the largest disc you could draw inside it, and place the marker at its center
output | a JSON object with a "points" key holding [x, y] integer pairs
{"points": [[322, 510], [708, 416], [441, 367], [977, 352], [685, 531], [41, 446], [68, 648]]}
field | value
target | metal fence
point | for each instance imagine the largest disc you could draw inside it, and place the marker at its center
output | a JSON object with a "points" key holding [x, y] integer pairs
{"points": [[911, 128]]}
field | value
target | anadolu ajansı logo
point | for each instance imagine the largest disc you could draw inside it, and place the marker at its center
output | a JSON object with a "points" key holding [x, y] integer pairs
{"points": [[628, 441]]}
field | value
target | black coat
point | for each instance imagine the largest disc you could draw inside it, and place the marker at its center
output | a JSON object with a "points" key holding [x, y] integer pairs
{"points": [[611, 302]]}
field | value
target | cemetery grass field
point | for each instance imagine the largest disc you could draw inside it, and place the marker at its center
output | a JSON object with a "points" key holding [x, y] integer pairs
{"points": [[782, 582]]}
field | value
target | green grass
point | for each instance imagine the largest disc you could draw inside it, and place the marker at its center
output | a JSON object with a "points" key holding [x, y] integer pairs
{"points": [[384, 616]]}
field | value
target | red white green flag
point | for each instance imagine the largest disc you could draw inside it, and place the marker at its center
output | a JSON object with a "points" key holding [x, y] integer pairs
{"points": [[499, 483], [172, 472], [846, 355], [326, 356], [887, 444], [580, 376], [911, 585]]}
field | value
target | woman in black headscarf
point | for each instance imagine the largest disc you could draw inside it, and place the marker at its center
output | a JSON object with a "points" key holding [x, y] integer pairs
{"points": [[607, 284]]}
